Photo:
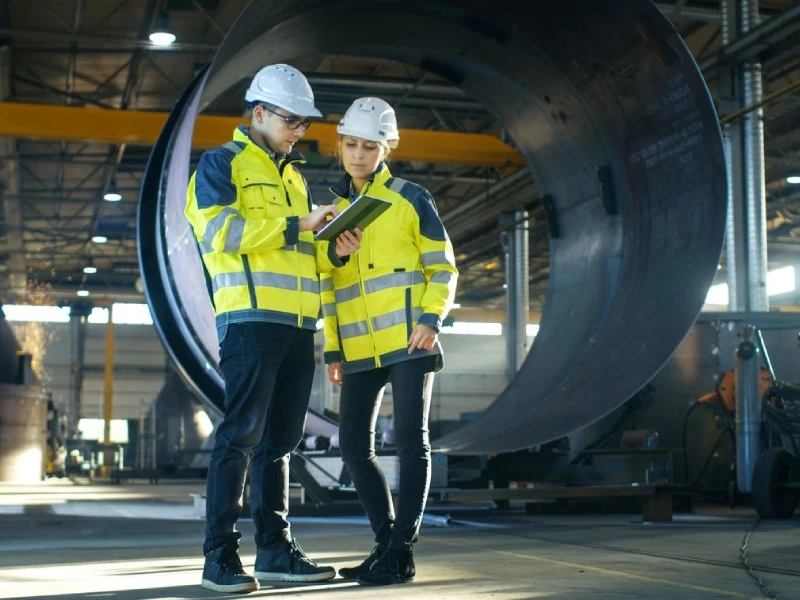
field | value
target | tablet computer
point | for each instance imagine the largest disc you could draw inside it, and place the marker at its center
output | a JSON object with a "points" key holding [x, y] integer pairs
{"points": [[359, 214]]}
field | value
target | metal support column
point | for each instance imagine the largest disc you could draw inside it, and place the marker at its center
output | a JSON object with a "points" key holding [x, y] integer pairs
{"points": [[748, 409], [79, 313], [746, 238], [108, 389], [755, 184], [515, 244], [10, 205], [729, 101]]}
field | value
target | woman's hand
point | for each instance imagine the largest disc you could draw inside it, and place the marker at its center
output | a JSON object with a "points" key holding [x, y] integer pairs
{"points": [[348, 243], [423, 337], [335, 373]]}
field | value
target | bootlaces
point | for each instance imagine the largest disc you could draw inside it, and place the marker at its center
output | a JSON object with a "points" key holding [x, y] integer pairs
{"points": [[297, 552]]}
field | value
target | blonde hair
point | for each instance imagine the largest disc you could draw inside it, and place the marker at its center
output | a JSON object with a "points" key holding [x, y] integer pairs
{"points": [[387, 151]]}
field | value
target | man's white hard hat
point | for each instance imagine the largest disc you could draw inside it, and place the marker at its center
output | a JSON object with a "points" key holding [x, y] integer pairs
{"points": [[285, 87]]}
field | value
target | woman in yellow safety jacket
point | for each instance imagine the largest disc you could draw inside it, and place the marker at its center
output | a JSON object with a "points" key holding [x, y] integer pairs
{"points": [[382, 312]]}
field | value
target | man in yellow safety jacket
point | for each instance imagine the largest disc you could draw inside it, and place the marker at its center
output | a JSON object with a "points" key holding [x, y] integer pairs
{"points": [[251, 212]]}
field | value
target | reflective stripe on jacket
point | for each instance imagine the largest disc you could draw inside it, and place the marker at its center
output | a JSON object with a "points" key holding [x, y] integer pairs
{"points": [[404, 274], [245, 211]]}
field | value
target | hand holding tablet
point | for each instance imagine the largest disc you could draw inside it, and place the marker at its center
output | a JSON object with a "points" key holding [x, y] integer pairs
{"points": [[358, 215]]}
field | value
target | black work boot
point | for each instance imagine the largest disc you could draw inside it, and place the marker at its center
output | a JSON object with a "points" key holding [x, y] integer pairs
{"points": [[394, 566], [358, 571], [286, 561], [223, 572]]}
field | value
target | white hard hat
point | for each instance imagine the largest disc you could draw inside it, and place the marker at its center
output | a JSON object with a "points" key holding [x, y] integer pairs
{"points": [[285, 87], [371, 119]]}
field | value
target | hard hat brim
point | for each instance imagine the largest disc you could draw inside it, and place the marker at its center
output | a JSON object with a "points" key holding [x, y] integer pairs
{"points": [[310, 113], [365, 136], [251, 96]]}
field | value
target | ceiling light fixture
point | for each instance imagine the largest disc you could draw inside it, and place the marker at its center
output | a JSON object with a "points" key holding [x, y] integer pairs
{"points": [[162, 34], [112, 194]]}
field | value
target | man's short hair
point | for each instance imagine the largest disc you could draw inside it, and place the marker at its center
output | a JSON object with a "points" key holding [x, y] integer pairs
{"points": [[251, 106]]}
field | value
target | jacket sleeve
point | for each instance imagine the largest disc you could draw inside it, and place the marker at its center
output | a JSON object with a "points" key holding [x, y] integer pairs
{"points": [[213, 209], [438, 262], [327, 260], [330, 322], [326, 257]]}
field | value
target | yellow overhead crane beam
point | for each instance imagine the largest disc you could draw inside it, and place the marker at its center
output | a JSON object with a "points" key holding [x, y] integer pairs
{"points": [[80, 124]]}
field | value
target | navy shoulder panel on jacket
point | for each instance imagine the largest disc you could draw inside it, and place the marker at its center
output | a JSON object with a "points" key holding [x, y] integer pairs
{"points": [[429, 223], [213, 184]]}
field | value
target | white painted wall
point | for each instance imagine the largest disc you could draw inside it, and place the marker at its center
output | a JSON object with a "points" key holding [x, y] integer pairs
{"points": [[139, 366], [473, 376]]}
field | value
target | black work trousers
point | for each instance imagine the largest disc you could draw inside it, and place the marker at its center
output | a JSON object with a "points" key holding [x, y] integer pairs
{"points": [[361, 395], [268, 370]]}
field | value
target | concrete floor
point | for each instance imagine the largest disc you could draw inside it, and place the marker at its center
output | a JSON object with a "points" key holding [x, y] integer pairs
{"points": [[142, 542]]}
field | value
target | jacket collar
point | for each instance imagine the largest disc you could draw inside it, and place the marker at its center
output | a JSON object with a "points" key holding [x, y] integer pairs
{"points": [[242, 134], [342, 187]]}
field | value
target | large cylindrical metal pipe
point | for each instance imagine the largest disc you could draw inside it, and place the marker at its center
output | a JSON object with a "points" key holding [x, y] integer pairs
{"points": [[748, 410], [23, 433], [9, 347], [616, 124]]}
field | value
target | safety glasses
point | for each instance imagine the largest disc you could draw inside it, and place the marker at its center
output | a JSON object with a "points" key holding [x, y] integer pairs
{"points": [[291, 122]]}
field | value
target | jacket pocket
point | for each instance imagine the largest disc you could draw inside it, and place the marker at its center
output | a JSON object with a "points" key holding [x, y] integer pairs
{"points": [[222, 331], [262, 197]]}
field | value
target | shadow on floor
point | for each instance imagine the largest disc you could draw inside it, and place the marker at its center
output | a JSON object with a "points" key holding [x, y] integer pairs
{"points": [[340, 587]]}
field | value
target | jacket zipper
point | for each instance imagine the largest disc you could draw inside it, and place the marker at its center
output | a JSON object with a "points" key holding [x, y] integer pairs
{"points": [[371, 240], [283, 164], [369, 317], [280, 167], [363, 294], [248, 275], [409, 314]]}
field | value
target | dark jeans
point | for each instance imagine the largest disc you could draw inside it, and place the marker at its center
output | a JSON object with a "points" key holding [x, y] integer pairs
{"points": [[412, 384], [268, 370]]}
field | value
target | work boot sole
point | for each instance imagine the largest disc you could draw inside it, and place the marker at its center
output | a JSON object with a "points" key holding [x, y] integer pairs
{"points": [[293, 577], [234, 588], [373, 584], [348, 573]]}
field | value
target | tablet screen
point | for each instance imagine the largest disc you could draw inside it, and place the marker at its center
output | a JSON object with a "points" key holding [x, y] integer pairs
{"points": [[359, 215]]}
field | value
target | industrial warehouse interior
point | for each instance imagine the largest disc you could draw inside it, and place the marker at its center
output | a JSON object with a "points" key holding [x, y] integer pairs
{"points": [[618, 412]]}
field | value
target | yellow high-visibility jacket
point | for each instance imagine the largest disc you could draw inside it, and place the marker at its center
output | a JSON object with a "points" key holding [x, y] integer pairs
{"points": [[245, 211], [403, 274]]}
